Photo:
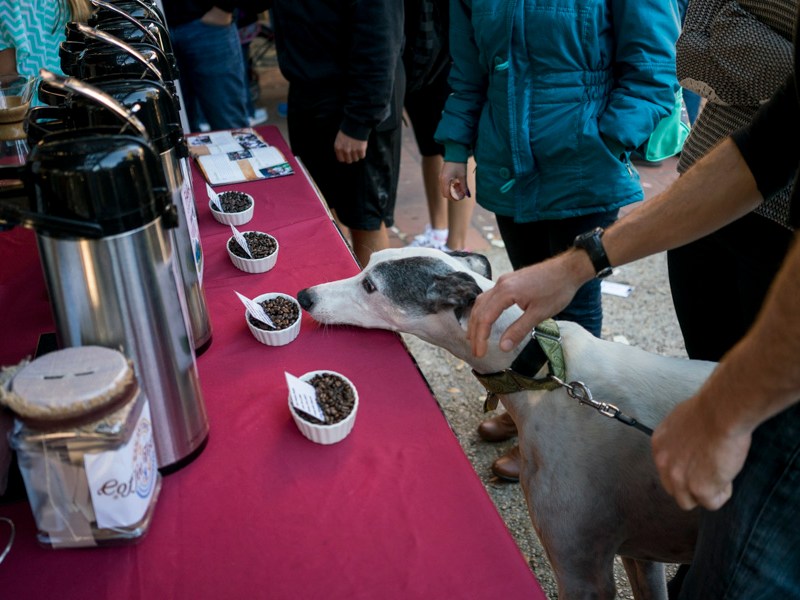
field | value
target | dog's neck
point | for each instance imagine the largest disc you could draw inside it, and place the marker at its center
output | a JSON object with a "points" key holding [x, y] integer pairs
{"points": [[454, 339]]}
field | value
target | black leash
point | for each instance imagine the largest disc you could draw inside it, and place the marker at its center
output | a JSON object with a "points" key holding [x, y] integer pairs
{"points": [[583, 395]]}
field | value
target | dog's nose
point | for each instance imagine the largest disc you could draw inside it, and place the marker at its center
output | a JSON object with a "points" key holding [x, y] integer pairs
{"points": [[305, 299]]}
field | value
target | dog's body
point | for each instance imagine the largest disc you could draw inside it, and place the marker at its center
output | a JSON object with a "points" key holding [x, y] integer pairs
{"points": [[589, 481]]}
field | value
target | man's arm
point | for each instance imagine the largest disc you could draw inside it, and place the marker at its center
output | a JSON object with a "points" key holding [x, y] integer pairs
{"points": [[701, 446], [717, 190]]}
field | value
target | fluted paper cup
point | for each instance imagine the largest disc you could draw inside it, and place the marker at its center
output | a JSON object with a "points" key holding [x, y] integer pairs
{"points": [[326, 434], [253, 265], [276, 337], [233, 218]]}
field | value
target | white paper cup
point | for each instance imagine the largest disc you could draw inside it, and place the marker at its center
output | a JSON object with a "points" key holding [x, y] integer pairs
{"points": [[253, 265], [233, 218], [326, 434], [278, 337]]}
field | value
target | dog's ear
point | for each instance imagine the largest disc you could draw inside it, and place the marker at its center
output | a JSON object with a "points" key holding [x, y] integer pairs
{"points": [[474, 262], [456, 290]]}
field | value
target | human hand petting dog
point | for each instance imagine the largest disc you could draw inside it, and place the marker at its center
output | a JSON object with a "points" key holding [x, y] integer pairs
{"points": [[541, 290], [349, 150]]}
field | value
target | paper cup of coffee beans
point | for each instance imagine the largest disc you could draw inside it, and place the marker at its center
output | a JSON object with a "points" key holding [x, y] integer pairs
{"points": [[264, 250], [283, 311], [338, 399], [237, 208]]}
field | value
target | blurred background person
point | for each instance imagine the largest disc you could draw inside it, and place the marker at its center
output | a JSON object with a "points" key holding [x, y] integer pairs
{"points": [[427, 62], [342, 60]]}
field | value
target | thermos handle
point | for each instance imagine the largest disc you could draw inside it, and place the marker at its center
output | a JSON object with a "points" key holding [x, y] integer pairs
{"points": [[79, 87], [94, 33], [127, 17]]}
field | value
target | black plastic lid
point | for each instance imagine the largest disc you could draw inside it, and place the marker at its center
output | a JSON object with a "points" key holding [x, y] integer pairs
{"points": [[97, 177], [97, 60], [156, 109]]}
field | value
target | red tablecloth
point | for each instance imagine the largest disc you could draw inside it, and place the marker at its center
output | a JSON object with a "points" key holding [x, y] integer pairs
{"points": [[393, 511]]}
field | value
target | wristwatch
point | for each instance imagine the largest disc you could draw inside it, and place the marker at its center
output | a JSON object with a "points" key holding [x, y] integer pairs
{"points": [[592, 244]]}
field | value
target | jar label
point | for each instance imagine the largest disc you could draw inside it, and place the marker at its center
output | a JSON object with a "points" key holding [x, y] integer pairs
{"points": [[122, 481]]}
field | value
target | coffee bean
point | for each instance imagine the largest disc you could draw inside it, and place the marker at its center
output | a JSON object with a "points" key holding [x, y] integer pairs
{"points": [[334, 396], [281, 311], [261, 245], [233, 201]]}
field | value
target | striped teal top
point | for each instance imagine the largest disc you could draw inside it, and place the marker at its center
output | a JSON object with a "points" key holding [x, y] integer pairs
{"points": [[34, 28]]}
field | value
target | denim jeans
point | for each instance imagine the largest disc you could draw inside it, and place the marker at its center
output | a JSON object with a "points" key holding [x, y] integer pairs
{"points": [[750, 548], [211, 74], [530, 243]]}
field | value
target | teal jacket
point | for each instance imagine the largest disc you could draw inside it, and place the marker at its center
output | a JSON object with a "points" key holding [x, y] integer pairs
{"points": [[551, 96]]}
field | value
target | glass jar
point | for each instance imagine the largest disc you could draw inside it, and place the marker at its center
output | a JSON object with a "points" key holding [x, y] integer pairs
{"points": [[84, 441]]}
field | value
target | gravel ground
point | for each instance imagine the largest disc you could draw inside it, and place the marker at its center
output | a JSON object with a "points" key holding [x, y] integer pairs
{"points": [[646, 319]]}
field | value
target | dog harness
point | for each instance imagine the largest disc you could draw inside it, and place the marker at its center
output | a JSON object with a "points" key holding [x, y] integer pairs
{"points": [[520, 376]]}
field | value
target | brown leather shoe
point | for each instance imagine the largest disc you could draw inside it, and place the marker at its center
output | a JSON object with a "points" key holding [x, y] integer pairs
{"points": [[508, 466], [498, 428]]}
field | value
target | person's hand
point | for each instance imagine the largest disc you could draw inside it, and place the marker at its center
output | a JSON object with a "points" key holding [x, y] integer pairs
{"points": [[541, 290], [349, 150], [217, 17], [698, 454], [453, 181]]}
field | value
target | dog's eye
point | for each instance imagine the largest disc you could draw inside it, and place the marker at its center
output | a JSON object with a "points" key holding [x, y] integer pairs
{"points": [[368, 286]]}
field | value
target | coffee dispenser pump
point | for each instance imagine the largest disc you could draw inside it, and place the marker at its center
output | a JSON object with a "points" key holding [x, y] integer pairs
{"points": [[101, 208]]}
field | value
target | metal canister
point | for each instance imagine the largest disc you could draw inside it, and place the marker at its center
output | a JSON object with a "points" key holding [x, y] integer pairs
{"points": [[84, 441]]}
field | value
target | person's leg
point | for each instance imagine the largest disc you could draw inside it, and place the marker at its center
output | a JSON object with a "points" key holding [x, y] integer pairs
{"points": [[437, 204], [210, 63], [366, 242], [748, 549]]}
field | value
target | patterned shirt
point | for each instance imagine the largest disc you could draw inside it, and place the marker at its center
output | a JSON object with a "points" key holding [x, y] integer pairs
{"points": [[736, 55], [35, 28]]}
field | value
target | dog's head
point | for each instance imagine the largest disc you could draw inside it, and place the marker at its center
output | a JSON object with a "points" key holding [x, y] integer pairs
{"points": [[427, 293], [400, 289], [411, 290]]}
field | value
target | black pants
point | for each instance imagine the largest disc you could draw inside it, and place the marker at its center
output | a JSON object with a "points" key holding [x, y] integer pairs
{"points": [[719, 282]]}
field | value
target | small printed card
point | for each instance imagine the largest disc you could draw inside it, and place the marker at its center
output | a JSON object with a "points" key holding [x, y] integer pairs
{"points": [[304, 397], [242, 241], [214, 198], [236, 155], [255, 309]]}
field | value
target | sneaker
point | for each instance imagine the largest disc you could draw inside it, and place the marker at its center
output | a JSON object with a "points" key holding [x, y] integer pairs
{"points": [[430, 238], [260, 115]]}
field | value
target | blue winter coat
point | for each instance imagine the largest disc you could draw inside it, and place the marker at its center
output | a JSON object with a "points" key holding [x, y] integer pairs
{"points": [[551, 96]]}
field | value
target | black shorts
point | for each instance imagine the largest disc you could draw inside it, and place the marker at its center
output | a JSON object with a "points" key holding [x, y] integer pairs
{"points": [[424, 109], [363, 194]]}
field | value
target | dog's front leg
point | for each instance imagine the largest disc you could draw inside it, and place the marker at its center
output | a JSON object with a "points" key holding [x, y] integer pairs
{"points": [[648, 579]]}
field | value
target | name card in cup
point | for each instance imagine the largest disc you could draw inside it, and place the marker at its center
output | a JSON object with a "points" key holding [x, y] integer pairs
{"points": [[303, 397], [255, 309], [214, 198], [241, 240]]}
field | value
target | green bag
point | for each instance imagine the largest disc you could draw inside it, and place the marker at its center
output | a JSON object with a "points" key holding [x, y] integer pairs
{"points": [[669, 135]]}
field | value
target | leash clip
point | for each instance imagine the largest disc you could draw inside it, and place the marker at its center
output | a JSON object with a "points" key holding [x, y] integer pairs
{"points": [[580, 392]]}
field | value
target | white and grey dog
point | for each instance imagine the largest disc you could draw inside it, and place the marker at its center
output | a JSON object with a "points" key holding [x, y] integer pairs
{"points": [[590, 483]]}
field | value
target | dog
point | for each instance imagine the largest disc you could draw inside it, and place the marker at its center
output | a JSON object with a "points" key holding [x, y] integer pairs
{"points": [[590, 483]]}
